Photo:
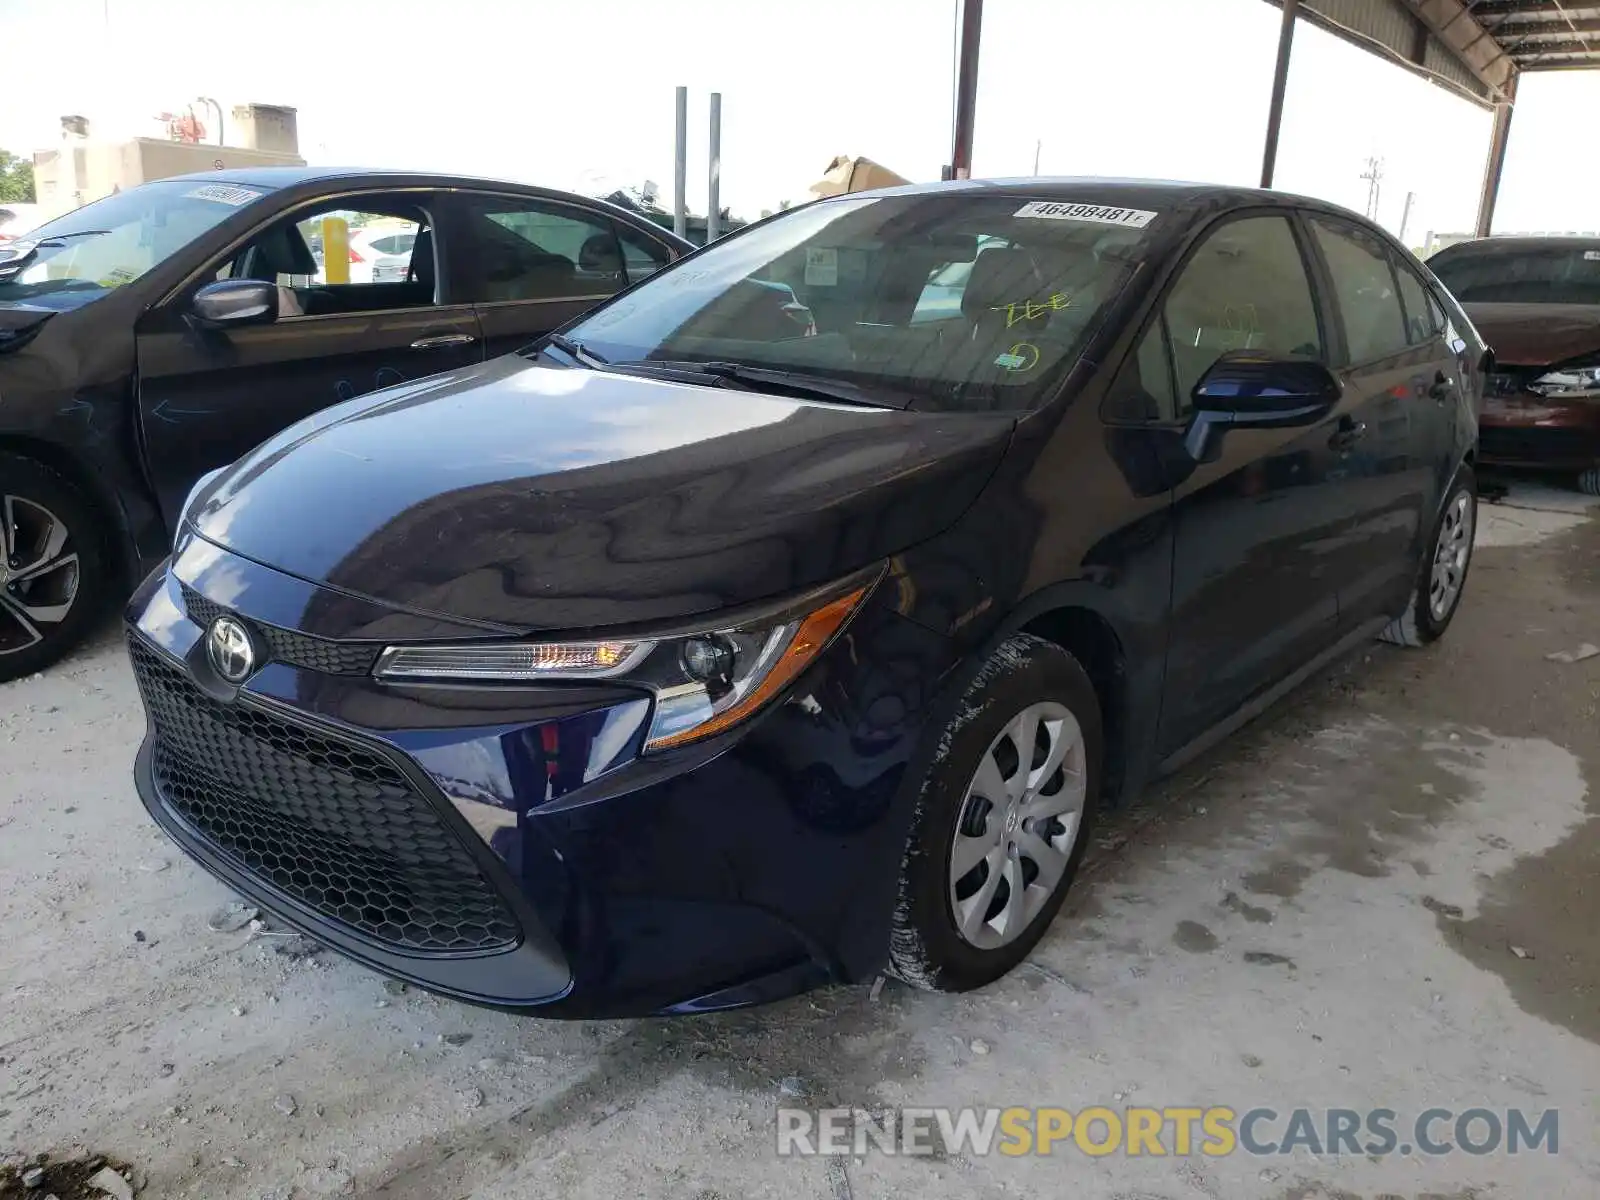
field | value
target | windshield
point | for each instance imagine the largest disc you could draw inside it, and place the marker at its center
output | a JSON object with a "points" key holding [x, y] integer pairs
{"points": [[955, 301], [1521, 274], [115, 240]]}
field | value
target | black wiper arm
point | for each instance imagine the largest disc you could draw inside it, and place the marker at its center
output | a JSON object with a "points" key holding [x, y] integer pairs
{"points": [[575, 351], [794, 383], [55, 239]]}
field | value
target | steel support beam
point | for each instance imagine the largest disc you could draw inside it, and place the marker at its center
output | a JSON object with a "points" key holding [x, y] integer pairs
{"points": [[1280, 82], [1497, 158], [714, 183], [680, 168], [966, 91]]}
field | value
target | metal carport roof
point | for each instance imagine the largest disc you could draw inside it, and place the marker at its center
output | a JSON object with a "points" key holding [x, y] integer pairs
{"points": [[1476, 48]]}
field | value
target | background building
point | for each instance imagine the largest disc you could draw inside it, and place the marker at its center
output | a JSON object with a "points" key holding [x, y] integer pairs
{"points": [[83, 168]]}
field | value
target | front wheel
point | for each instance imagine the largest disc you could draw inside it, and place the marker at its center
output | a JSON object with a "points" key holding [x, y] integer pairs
{"points": [[52, 566], [1002, 819], [1442, 577], [1589, 482]]}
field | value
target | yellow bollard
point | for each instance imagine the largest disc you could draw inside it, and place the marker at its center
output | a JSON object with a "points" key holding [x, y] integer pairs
{"points": [[335, 250]]}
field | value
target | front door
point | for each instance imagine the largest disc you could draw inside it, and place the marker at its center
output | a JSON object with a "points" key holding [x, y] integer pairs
{"points": [[532, 264], [1254, 592], [208, 396]]}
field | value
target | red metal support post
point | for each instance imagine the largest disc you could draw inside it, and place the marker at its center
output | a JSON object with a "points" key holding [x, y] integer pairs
{"points": [[966, 91]]}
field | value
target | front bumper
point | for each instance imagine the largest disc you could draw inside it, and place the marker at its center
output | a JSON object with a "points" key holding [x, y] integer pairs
{"points": [[1537, 433], [526, 856]]}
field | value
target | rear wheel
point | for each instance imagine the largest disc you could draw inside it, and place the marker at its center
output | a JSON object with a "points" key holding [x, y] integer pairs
{"points": [[1002, 820], [1442, 577], [52, 566], [1589, 482]]}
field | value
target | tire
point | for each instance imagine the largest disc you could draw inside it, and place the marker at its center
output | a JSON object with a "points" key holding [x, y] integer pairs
{"points": [[54, 571], [1589, 482], [1425, 620], [928, 948]]}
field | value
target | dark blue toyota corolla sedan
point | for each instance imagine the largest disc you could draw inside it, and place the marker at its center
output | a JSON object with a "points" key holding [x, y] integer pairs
{"points": [[714, 648]]}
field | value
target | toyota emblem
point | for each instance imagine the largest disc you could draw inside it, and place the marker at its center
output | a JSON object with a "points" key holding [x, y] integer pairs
{"points": [[232, 653]]}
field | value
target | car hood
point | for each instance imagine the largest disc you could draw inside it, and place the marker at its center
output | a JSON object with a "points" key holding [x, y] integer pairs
{"points": [[1537, 335], [536, 498]]}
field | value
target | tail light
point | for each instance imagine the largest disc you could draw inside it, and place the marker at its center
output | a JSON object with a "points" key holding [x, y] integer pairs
{"points": [[354, 256]]}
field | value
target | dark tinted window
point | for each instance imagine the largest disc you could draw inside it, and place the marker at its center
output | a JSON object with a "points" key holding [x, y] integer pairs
{"points": [[1364, 286], [1245, 288], [1143, 389], [641, 255], [1517, 273], [1424, 322], [841, 289], [531, 250]]}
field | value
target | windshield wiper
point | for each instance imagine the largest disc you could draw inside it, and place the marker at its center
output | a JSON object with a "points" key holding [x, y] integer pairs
{"points": [[575, 351], [770, 379], [55, 239]]}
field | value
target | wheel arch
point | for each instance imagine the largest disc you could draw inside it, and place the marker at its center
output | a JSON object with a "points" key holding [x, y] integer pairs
{"points": [[118, 542]]}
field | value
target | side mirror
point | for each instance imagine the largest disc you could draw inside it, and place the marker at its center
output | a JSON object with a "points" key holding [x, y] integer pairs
{"points": [[230, 302], [1246, 389]]}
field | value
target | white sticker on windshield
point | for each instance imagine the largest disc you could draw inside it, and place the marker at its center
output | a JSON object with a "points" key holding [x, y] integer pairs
{"points": [[1099, 214], [822, 266], [223, 194], [1591, 256]]}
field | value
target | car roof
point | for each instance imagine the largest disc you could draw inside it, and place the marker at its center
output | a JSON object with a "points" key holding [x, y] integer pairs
{"points": [[283, 177], [1521, 245], [1181, 196]]}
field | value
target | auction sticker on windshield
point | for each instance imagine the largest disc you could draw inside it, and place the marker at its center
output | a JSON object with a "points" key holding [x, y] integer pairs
{"points": [[223, 194], [1099, 214]]}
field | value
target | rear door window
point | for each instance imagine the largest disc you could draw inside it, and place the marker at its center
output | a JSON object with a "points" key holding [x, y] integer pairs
{"points": [[528, 249], [642, 256], [1424, 322], [1365, 288]]}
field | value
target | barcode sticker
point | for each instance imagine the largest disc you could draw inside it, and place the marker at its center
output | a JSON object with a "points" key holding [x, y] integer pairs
{"points": [[223, 194], [1099, 214]]}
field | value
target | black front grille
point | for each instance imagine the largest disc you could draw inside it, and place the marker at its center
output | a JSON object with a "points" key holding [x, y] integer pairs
{"points": [[335, 826], [288, 646]]}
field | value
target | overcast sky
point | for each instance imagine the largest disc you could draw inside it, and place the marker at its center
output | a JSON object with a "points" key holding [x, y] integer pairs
{"points": [[580, 95]]}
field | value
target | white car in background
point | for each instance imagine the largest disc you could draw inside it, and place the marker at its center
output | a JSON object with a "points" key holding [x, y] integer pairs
{"points": [[17, 218], [385, 253]]}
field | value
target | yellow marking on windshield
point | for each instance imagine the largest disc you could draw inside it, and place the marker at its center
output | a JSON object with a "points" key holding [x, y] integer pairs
{"points": [[1032, 310]]}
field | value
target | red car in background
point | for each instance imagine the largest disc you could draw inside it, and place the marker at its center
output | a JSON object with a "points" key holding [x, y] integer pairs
{"points": [[1536, 302]]}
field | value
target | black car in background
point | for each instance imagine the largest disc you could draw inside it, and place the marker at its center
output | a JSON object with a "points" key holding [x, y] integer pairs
{"points": [[160, 333], [720, 648]]}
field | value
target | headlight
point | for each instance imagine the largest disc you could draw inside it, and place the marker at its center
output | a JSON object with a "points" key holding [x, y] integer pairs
{"points": [[1571, 383], [704, 681]]}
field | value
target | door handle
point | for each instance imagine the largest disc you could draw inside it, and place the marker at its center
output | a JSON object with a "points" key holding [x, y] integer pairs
{"points": [[441, 340], [1347, 435], [1442, 389]]}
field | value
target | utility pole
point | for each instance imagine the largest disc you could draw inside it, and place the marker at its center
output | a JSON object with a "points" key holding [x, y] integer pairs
{"points": [[1038, 145], [1405, 217], [1374, 177]]}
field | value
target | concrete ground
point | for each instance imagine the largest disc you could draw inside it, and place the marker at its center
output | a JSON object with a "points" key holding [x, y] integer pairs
{"points": [[1321, 913]]}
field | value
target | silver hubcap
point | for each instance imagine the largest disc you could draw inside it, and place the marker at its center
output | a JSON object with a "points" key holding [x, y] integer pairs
{"points": [[1018, 824], [38, 573], [1450, 555]]}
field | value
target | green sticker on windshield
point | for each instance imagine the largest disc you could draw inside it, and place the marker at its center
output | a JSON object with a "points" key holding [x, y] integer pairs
{"points": [[116, 277]]}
